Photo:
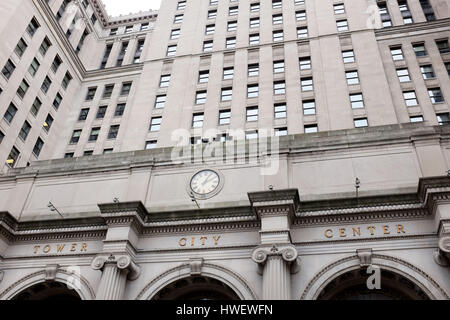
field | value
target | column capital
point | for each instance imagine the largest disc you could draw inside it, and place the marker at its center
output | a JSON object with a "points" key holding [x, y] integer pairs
{"points": [[122, 262], [287, 252], [442, 255]]}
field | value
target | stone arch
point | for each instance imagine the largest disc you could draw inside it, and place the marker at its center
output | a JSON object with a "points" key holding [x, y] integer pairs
{"points": [[403, 268], [83, 289], [229, 278]]}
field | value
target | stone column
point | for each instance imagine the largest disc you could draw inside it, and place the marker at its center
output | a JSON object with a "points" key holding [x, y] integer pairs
{"points": [[276, 264], [442, 255], [116, 271]]}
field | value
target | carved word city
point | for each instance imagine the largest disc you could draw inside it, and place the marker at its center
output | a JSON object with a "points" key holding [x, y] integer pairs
{"points": [[199, 241], [60, 248], [354, 232]]}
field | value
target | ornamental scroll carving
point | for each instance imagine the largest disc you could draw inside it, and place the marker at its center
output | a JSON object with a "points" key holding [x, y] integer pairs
{"points": [[442, 255], [122, 262], [287, 252]]}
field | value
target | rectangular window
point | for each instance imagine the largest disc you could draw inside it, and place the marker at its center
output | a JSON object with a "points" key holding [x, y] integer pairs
{"points": [[352, 77], [279, 87], [23, 134], [339, 8], [138, 52], [212, 14], [410, 98], [91, 93], [254, 7], [75, 137], [35, 107], [207, 46], [404, 10], [200, 97], [107, 92], [252, 91], [203, 76], [302, 33], [66, 80], [155, 124], [32, 27], [8, 69], [443, 46], [278, 66], [106, 56], [427, 10], [311, 128], [224, 117], [447, 66], [160, 102], [123, 51], [442, 118], [276, 4], [362, 122], [46, 84], [435, 95], [357, 101], [427, 72], [164, 81], [233, 11], [210, 29], [13, 157], [253, 70], [145, 27], [56, 63], [309, 107], [232, 26], [342, 25], [120, 109], [227, 94], [171, 51], [230, 43], [307, 84], [38, 147], [252, 114], [94, 134], [175, 34], [277, 19], [23, 88], [197, 120], [83, 114], [178, 19], [280, 111], [280, 132], [403, 75], [300, 15], [10, 113], [113, 132], [126, 87], [305, 63], [254, 39], [45, 45], [57, 101], [419, 49], [384, 15], [101, 112], [48, 123], [113, 31], [34, 67], [397, 53], [181, 5], [20, 47], [254, 23], [228, 73], [416, 119], [348, 56], [277, 36], [150, 144], [2, 135]]}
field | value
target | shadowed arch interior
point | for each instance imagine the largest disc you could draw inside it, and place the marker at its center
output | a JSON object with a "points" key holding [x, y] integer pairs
{"points": [[352, 285], [50, 290], [196, 288]]}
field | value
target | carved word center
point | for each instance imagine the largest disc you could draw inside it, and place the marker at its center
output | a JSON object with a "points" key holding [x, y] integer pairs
{"points": [[354, 232], [60, 248], [199, 241]]}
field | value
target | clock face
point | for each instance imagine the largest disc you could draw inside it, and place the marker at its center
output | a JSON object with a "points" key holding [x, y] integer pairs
{"points": [[205, 182]]}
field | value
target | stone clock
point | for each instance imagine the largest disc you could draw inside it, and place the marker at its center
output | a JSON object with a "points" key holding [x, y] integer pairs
{"points": [[205, 184]]}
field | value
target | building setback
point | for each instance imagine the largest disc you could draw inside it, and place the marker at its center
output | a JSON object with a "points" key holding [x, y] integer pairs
{"points": [[224, 149]]}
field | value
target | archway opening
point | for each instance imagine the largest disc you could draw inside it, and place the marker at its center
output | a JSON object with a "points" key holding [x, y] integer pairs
{"points": [[50, 290], [352, 285], [196, 288]]}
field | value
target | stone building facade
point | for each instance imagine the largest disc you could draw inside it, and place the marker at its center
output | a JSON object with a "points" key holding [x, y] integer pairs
{"points": [[221, 149]]}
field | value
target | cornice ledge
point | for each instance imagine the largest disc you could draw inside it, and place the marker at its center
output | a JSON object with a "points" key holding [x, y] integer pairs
{"points": [[433, 185], [413, 27], [135, 211]]}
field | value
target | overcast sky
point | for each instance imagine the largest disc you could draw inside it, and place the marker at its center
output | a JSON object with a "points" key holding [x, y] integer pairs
{"points": [[118, 7]]}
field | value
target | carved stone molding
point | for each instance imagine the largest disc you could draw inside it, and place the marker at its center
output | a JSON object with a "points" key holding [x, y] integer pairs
{"points": [[123, 262], [365, 257], [442, 254], [196, 265], [50, 272]]}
